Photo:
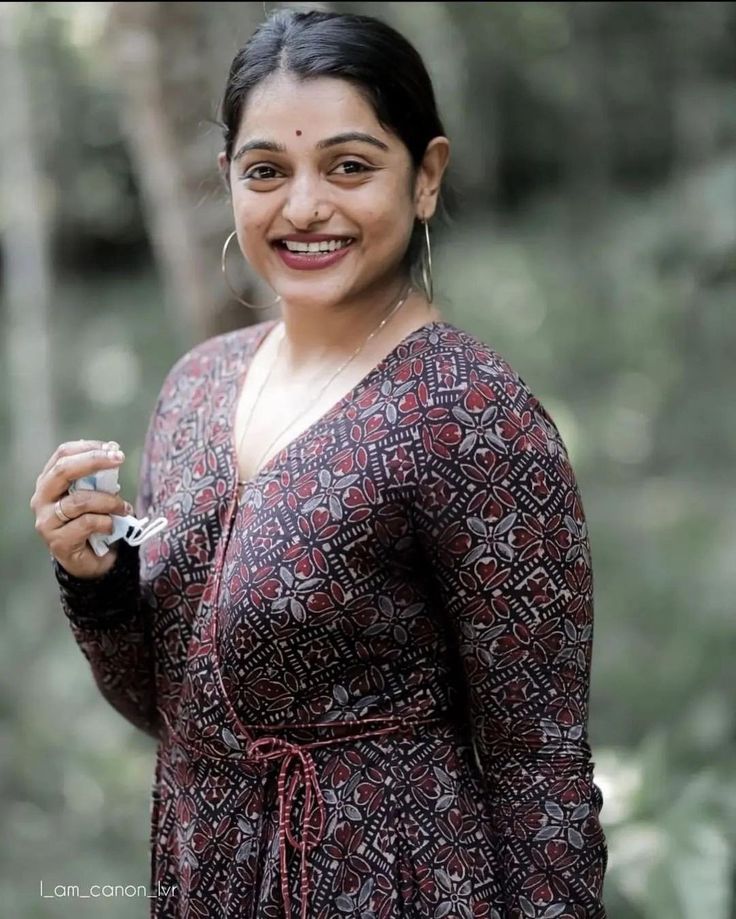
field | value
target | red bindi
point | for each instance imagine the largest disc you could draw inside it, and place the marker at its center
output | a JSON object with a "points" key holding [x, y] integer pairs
{"points": [[298, 133]]}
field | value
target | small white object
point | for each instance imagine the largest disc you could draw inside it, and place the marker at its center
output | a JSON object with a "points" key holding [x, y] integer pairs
{"points": [[128, 527]]}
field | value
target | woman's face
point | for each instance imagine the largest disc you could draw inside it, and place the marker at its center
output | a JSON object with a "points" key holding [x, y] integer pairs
{"points": [[300, 171]]}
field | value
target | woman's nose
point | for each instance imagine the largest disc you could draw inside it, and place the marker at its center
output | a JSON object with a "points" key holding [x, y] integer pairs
{"points": [[305, 204]]}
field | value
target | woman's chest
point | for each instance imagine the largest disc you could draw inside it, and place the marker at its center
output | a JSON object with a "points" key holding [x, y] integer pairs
{"points": [[274, 410], [272, 417]]}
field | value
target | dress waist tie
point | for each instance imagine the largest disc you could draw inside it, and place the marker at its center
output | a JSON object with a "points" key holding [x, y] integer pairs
{"points": [[297, 766]]}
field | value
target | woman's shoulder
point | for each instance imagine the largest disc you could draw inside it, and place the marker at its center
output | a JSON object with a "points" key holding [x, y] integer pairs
{"points": [[464, 362], [205, 361], [206, 353], [476, 394]]}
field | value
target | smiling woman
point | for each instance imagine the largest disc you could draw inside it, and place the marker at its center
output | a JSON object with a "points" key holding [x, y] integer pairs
{"points": [[312, 155], [330, 187], [368, 667]]}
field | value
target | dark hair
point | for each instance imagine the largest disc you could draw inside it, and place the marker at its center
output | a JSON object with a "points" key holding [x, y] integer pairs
{"points": [[380, 63]]}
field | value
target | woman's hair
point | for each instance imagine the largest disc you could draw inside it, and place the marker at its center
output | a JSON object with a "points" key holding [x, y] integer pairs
{"points": [[376, 59]]}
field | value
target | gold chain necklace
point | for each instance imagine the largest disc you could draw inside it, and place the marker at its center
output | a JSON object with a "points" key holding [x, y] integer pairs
{"points": [[352, 357]]}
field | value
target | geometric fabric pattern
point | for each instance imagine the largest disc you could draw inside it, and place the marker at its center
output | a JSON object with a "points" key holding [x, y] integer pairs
{"points": [[367, 670]]}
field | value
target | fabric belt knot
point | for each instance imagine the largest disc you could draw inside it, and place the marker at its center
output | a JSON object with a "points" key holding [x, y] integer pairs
{"points": [[297, 766]]}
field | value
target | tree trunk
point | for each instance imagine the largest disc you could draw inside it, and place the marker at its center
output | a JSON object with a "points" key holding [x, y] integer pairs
{"points": [[27, 271], [172, 61]]}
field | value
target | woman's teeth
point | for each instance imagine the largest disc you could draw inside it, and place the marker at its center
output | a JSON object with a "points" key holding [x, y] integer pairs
{"points": [[326, 246]]}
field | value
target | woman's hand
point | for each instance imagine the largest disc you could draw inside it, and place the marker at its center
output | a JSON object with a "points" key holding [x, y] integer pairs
{"points": [[89, 510]]}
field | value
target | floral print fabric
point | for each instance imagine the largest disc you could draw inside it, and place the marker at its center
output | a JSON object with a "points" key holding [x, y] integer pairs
{"points": [[367, 673]]}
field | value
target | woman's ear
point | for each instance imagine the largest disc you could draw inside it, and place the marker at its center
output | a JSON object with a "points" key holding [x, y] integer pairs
{"points": [[223, 164], [429, 177]]}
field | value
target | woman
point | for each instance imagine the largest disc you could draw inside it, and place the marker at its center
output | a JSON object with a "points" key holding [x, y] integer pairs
{"points": [[364, 641]]}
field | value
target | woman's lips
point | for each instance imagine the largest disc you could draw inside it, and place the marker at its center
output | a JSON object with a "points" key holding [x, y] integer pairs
{"points": [[310, 262]]}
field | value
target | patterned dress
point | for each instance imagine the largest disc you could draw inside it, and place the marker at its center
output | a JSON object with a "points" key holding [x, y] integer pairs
{"points": [[368, 674]]}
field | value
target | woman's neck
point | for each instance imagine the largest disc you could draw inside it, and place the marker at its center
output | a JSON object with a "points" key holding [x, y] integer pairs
{"points": [[319, 336]]}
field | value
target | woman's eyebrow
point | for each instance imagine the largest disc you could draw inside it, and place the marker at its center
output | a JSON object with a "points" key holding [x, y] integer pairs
{"points": [[346, 137]]}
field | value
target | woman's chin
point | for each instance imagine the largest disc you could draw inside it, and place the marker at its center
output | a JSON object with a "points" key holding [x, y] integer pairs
{"points": [[311, 294]]}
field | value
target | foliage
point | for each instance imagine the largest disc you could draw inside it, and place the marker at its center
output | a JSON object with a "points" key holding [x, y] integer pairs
{"points": [[593, 244]]}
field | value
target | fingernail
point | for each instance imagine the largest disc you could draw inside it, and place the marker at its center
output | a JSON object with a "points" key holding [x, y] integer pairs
{"points": [[112, 445], [116, 454], [128, 507]]}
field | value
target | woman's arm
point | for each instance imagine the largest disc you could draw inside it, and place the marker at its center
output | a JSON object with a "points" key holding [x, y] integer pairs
{"points": [[501, 522], [111, 617], [112, 626]]}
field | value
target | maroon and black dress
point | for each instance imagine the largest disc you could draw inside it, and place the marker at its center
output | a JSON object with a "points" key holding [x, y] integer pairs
{"points": [[368, 674]]}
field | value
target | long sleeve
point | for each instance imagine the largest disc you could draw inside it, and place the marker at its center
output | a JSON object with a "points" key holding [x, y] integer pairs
{"points": [[500, 522], [111, 618]]}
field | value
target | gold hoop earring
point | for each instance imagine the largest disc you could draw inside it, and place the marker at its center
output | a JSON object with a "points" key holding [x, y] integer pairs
{"points": [[251, 306], [427, 265]]}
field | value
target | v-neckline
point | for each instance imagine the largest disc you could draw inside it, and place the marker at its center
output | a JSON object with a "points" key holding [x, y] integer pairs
{"points": [[349, 396]]}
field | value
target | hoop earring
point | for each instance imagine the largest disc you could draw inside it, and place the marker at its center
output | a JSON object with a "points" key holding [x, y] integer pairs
{"points": [[251, 306], [427, 265]]}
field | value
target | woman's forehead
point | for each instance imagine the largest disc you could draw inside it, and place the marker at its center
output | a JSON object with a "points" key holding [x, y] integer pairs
{"points": [[284, 107]]}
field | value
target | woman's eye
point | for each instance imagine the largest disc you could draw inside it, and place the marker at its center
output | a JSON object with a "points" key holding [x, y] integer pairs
{"points": [[257, 172], [263, 172], [350, 170]]}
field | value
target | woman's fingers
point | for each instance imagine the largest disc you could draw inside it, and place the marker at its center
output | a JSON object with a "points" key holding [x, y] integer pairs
{"points": [[83, 502], [68, 466], [72, 447], [75, 532], [88, 511], [68, 545]]}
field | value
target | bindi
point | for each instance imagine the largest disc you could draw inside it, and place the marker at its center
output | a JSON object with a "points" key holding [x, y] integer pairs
{"points": [[298, 133]]}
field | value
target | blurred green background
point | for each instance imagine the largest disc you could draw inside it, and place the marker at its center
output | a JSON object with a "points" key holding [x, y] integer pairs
{"points": [[592, 242]]}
